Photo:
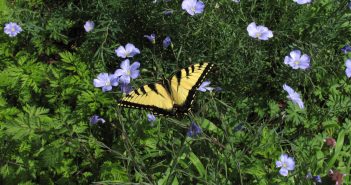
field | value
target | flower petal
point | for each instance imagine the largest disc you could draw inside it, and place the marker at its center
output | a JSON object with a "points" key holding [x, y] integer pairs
{"points": [[135, 66], [283, 171], [278, 164], [290, 163], [295, 55], [134, 74], [287, 60], [106, 88], [99, 83], [348, 72], [125, 79], [121, 52], [125, 65], [348, 63], [120, 72], [199, 7], [252, 29]]}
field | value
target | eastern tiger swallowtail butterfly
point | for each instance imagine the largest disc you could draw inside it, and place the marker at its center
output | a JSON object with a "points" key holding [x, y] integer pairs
{"points": [[172, 96]]}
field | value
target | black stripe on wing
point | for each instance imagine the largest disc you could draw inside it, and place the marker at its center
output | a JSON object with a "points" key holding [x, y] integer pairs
{"points": [[155, 110]]}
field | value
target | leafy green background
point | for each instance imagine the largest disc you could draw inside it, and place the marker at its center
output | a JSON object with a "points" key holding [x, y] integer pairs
{"points": [[47, 94]]}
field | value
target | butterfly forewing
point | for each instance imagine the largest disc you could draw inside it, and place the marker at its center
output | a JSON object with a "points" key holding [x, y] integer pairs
{"points": [[153, 97], [185, 82]]}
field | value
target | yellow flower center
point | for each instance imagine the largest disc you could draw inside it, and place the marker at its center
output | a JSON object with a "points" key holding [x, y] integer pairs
{"points": [[297, 62], [258, 35], [13, 29], [108, 83], [128, 72], [193, 9], [284, 165]]}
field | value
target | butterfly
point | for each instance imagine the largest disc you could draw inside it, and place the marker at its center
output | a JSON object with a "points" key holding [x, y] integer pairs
{"points": [[172, 96]]}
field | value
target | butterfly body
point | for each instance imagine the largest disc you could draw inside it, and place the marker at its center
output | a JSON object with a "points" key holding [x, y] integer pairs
{"points": [[172, 96]]}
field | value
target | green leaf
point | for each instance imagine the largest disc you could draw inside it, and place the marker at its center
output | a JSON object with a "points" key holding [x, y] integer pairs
{"points": [[209, 126], [198, 165], [338, 147]]}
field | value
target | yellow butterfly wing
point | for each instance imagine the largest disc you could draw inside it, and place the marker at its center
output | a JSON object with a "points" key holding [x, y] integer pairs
{"points": [[184, 83], [154, 97]]}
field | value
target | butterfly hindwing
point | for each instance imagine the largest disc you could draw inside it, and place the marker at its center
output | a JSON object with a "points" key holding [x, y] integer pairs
{"points": [[154, 97], [184, 83]]}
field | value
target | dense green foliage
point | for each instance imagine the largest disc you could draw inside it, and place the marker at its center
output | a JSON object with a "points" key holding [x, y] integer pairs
{"points": [[47, 94]]}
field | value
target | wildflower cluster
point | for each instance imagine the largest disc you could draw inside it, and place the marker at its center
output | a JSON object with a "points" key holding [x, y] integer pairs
{"points": [[99, 138]]}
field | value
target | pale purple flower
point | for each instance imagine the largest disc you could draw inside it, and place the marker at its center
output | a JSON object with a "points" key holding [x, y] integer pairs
{"points": [[260, 32], [236, 1], [129, 51], [348, 68], [296, 61], [194, 130], [12, 29], [316, 179], [106, 81], [151, 117], [293, 96], [346, 49], [95, 119], [205, 86], [166, 42], [125, 88], [193, 6], [218, 89], [349, 5], [151, 38], [285, 164], [89, 26], [168, 12], [128, 71], [302, 1]]}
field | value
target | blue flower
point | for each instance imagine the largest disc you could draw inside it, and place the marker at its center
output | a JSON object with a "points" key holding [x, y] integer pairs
{"points": [[205, 86], [166, 42], [293, 96], [346, 49], [193, 6], [168, 12], [309, 175], [259, 32], [151, 117], [348, 68], [106, 81], [194, 130], [236, 1], [218, 89], [12, 29], [129, 51], [128, 71], [125, 88], [151, 38], [302, 1], [286, 164], [316, 179], [349, 5], [95, 119], [296, 61], [89, 26]]}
